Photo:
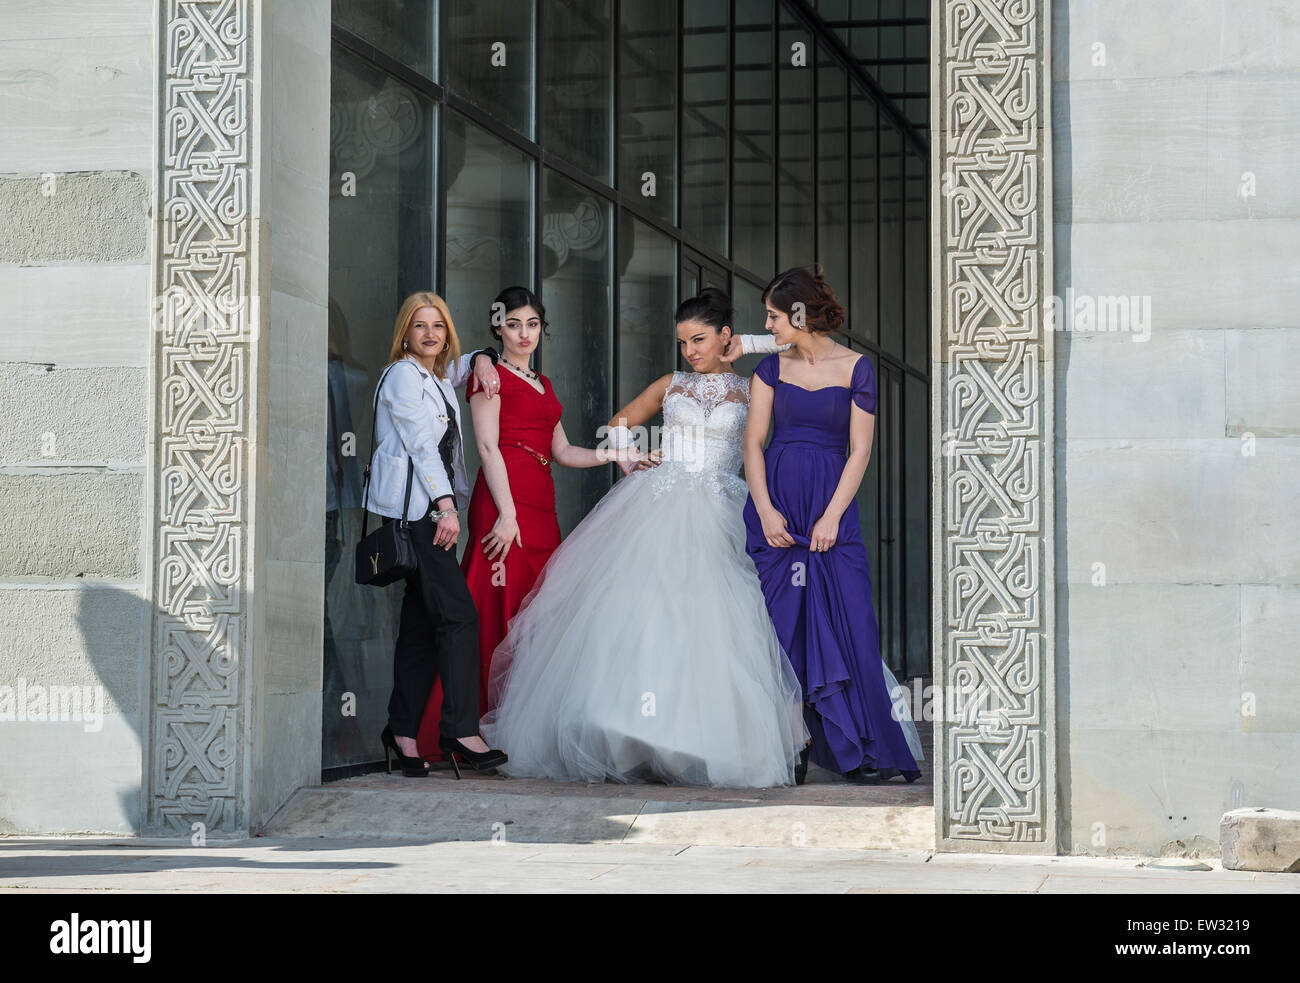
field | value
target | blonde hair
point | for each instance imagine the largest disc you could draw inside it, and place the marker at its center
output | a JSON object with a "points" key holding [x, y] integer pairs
{"points": [[406, 314]]}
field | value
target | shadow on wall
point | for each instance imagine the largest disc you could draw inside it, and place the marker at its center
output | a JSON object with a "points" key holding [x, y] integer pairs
{"points": [[115, 756], [71, 709]]}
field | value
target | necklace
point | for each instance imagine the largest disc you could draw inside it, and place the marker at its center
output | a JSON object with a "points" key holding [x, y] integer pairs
{"points": [[816, 356], [525, 372]]}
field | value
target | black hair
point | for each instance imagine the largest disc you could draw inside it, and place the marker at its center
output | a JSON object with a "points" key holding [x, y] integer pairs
{"points": [[711, 305], [821, 311], [511, 299]]}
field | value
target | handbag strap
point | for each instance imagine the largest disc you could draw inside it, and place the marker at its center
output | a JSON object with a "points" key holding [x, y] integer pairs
{"points": [[449, 439], [410, 461]]}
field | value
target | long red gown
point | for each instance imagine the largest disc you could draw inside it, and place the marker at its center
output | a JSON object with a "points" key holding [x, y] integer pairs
{"points": [[499, 586]]}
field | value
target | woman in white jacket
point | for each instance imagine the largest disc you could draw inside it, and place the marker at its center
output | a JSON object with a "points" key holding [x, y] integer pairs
{"points": [[418, 444]]}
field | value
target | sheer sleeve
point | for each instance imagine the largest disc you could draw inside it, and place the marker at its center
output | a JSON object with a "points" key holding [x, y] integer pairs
{"points": [[769, 370], [758, 344], [752, 344], [459, 369], [863, 389]]}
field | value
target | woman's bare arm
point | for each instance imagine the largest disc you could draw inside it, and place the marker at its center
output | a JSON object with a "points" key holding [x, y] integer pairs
{"points": [[756, 427], [862, 426], [487, 434], [645, 406], [565, 453]]}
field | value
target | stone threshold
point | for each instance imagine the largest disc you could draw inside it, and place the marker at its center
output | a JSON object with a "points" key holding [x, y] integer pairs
{"points": [[821, 814]]}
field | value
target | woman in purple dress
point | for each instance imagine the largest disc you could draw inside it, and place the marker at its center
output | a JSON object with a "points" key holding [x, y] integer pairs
{"points": [[802, 533]]}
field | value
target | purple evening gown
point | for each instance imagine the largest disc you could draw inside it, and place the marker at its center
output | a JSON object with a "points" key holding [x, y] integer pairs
{"points": [[826, 623]]}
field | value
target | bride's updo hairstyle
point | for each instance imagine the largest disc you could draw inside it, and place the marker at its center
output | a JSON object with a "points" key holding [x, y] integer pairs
{"points": [[711, 306], [822, 313]]}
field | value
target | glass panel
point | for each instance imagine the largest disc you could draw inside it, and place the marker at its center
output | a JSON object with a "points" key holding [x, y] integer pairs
{"points": [[647, 341], [868, 499], [490, 57], [916, 304], [577, 278], [916, 552], [688, 280], [489, 223], [865, 41], [577, 117], [489, 240], [889, 432], [647, 162], [752, 247], [380, 249], [704, 122], [864, 318], [750, 318], [794, 240], [891, 240], [832, 177], [405, 31]]}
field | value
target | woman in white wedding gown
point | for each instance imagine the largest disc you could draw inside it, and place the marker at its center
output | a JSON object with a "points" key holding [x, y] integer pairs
{"points": [[644, 650]]}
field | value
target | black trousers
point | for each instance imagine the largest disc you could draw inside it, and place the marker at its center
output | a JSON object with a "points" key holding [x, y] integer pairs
{"points": [[438, 636]]}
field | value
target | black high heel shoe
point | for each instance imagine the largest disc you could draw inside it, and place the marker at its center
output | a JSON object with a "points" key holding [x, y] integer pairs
{"points": [[887, 773], [478, 760], [862, 776], [411, 767], [801, 769]]}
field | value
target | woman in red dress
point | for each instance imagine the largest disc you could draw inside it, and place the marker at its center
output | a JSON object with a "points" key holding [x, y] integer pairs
{"points": [[513, 529]]}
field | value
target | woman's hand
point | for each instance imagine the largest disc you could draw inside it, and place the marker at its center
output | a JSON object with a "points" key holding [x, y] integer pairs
{"points": [[774, 529], [625, 457], [732, 351], [447, 531], [824, 533], [488, 377], [503, 534], [651, 460]]}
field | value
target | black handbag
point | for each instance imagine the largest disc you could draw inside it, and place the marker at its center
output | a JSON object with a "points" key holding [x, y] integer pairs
{"points": [[387, 554]]}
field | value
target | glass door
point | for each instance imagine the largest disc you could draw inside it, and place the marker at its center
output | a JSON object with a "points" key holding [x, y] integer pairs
{"points": [[698, 273], [695, 274], [888, 451]]}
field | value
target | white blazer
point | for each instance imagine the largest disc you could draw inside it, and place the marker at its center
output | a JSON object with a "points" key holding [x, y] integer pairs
{"points": [[410, 419]]}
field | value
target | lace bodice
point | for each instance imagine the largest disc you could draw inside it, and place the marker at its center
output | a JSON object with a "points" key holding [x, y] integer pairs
{"points": [[704, 421]]}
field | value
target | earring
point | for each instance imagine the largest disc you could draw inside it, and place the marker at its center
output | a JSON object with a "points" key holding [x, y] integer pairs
{"points": [[403, 344]]}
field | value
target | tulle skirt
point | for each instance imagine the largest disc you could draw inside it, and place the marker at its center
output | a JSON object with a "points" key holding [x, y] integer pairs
{"points": [[644, 650]]}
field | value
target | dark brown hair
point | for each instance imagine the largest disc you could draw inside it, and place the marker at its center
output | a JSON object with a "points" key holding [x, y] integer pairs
{"points": [[822, 312]]}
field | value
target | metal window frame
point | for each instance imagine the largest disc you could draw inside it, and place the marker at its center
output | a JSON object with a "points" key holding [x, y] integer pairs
{"points": [[824, 40]]}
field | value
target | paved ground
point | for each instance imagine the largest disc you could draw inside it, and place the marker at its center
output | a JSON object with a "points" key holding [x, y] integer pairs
{"points": [[368, 865], [378, 833], [827, 812]]}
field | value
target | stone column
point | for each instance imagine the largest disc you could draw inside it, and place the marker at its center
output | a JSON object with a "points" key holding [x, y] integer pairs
{"points": [[992, 427], [238, 415]]}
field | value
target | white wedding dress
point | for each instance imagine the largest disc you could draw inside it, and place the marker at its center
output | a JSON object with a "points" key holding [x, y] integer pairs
{"points": [[644, 650]]}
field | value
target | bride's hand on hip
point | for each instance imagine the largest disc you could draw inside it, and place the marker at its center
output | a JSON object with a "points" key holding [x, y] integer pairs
{"points": [[447, 531], [824, 533], [651, 460], [503, 534], [774, 529]]}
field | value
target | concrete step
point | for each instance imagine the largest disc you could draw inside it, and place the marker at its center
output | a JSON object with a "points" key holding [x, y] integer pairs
{"points": [[1261, 839], [825, 813]]}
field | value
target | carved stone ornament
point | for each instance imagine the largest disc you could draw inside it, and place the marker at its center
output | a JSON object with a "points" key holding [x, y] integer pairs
{"points": [[203, 399], [992, 414]]}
